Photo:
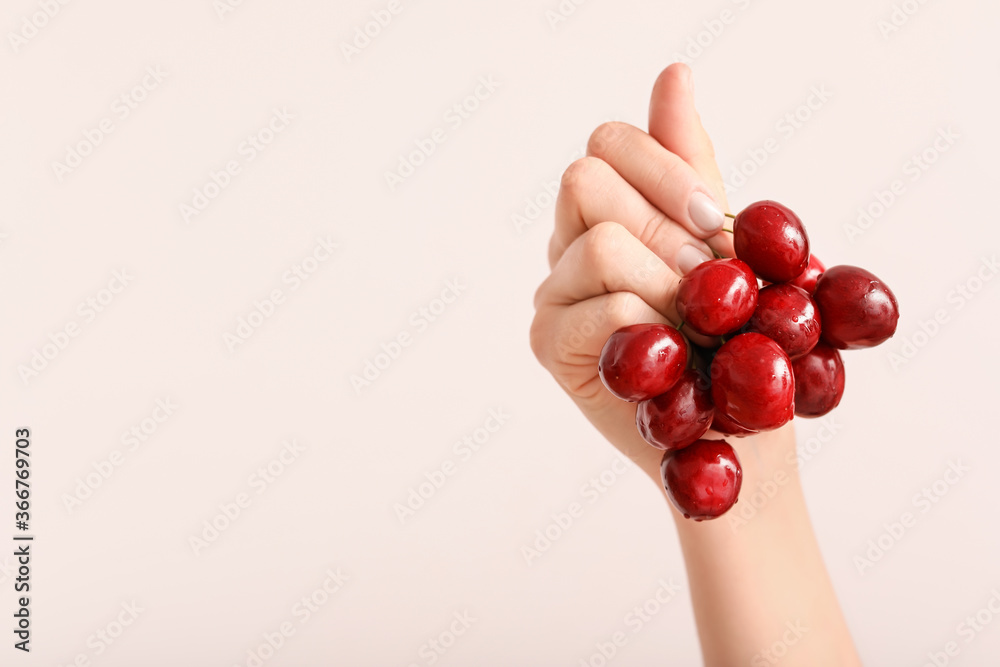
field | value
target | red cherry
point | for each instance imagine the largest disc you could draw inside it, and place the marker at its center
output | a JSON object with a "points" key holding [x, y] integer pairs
{"points": [[642, 361], [702, 480], [678, 417], [727, 426], [819, 381], [857, 309], [717, 296], [752, 382], [771, 239], [787, 315], [807, 279]]}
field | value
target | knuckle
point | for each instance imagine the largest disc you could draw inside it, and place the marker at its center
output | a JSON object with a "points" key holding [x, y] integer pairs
{"points": [[623, 308], [540, 339], [601, 243], [579, 174], [606, 136], [654, 228]]}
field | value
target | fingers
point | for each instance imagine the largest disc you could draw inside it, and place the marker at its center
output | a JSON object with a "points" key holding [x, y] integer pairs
{"points": [[568, 340], [608, 258], [592, 192], [665, 179], [674, 123]]}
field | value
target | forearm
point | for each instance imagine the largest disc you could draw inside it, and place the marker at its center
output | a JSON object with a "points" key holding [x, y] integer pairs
{"points": [[757, 580]]}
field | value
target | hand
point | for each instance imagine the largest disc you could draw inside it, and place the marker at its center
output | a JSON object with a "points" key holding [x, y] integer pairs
{"points": [[631, 218]]}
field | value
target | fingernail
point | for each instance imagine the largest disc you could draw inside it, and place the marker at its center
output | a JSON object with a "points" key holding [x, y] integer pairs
{"points": [[689, 257], [704, 213]]}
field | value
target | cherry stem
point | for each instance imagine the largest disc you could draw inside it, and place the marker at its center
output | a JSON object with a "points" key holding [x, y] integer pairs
{"points": [[681, 326], [727, 230], [730, 215]]}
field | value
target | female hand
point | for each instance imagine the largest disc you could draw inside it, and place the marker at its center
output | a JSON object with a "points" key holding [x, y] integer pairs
{"points": [[632, 217]]}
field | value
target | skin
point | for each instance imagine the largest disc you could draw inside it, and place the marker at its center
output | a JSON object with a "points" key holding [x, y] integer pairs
{"points": [[621, 220]]}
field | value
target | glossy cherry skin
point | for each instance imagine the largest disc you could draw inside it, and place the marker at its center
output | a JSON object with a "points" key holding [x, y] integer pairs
{"points": [[807, 279], [702, 480], [727, 426], [678, 417], [641, 361], [788, 316], [858, 310], [771, 239], [717, 296], [819, 381], [752, 382]]}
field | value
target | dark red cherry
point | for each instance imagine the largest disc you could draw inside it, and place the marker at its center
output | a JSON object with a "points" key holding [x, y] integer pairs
{"points": [[717, 296], [727, 426], [857, 309], [787, 315], [642, 361], [807, 279], [819, 381], [771, 239], [702, 480], [678, 417], [752, 382]]}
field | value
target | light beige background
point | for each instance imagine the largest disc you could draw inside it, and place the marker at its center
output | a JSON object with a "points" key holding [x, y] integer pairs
{"points": [[162, 337]]}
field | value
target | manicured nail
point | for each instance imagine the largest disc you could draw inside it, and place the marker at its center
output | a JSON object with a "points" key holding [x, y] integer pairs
{"points": [[704, 213], [689, 257]]}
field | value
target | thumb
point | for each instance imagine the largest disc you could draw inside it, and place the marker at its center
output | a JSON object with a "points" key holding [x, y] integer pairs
{"points": [[675, 123]]}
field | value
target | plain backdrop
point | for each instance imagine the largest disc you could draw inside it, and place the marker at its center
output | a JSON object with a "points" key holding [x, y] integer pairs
{"points": [[822, 106]]}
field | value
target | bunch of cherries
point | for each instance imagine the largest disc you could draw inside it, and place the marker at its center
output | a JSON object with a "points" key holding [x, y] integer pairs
{"points": [[778, 355]]}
